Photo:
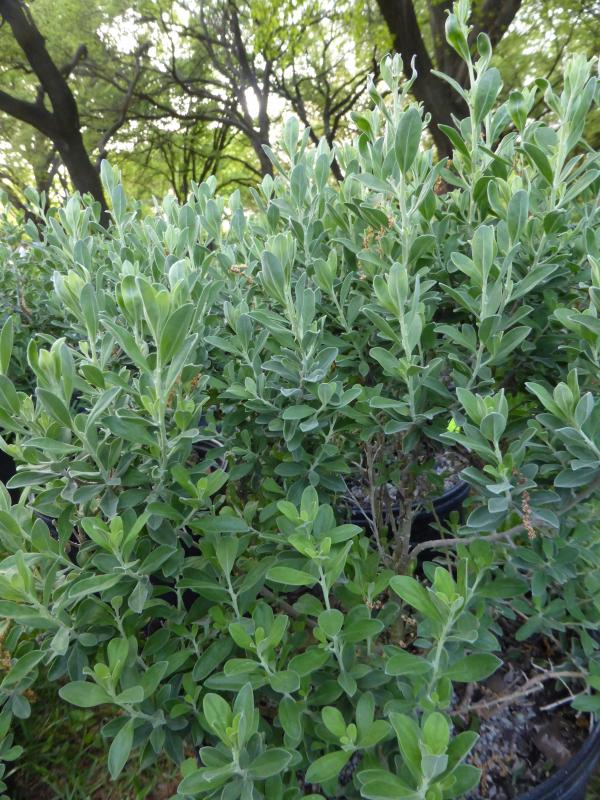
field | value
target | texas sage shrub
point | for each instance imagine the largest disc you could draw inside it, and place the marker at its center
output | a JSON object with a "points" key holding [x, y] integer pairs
{"points": [[27, 305], [232, 387]]}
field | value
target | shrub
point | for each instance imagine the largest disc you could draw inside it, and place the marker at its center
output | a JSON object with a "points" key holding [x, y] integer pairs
{"points": [[234, 388], [26, 303]]}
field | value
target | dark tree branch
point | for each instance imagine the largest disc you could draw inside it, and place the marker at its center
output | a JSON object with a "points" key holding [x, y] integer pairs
{"points": [[31, 113], [61, 125], [49, 75], [9, 185], [66, 70], [122, 116]]}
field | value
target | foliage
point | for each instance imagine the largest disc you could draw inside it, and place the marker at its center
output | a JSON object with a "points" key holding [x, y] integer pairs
{"points": [[27, 304], [65, 757], [184, 547], [573, 29]]}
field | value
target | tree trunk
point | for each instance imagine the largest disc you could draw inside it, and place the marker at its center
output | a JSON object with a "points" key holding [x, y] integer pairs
{"points": [[441, 103], [83, 174], [492, 16], [61, 125], [435, 94], [266, 167]]}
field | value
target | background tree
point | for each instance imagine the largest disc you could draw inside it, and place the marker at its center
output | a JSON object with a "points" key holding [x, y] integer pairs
{"points": [[407, 22], [58, 115], [243, 64], [174, 91], [543, 34], [536, 30], [61, 125], [158, 158]]}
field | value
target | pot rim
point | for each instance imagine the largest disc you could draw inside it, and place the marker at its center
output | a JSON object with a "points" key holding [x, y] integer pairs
{"points": [[579, 767], [455, 494]]}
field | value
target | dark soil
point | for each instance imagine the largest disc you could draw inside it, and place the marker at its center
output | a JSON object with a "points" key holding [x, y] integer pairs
{"points": [[524, 740]]}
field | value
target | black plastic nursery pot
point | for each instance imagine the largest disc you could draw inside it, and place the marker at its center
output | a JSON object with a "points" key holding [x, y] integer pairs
{"points": [[8, 468], [443, 506], [423, 529], [570, 782]]}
